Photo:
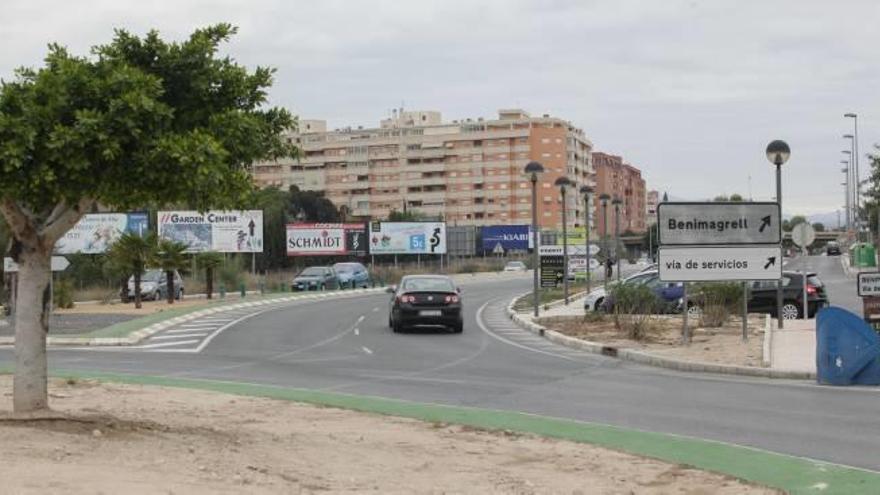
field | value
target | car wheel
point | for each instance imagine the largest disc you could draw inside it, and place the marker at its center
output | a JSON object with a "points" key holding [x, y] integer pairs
{"points": [[396, 327], [599, 308], [790, 311], [180, 294]]}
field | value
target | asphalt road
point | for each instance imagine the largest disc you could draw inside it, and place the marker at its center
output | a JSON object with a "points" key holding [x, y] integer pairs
{"points": [[346, 346], [840, 288]]}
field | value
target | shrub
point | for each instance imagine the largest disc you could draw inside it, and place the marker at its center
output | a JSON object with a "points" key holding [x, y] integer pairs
{"points": [[717, 301], [634, 306], [230, 274], [63, 294]]}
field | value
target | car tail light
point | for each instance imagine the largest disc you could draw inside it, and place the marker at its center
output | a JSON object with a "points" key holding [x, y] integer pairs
{"points": [[405, 298], [811, 290], [452, 299]]}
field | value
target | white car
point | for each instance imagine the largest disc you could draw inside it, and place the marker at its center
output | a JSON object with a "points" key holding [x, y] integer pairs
{"points": [[594, 300], [515, 266]]}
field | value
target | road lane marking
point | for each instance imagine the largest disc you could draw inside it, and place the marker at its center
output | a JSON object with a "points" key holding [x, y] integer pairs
{"points": [[188, 329], [167, 344], [510, 342], [179, 336], [376, 309], [357, 331], [360, 319], [367, 350]]}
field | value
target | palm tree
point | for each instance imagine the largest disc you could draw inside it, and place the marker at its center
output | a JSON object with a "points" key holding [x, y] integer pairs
{"points": [[130, 255], [170, 256], [209, 260]]}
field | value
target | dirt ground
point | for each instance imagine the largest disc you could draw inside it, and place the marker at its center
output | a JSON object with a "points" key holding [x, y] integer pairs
{"points": [[149, 307], [139, 439], [722, 345]]}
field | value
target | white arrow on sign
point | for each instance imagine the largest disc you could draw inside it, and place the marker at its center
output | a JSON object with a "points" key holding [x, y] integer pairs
{"points": [[59, 264], [706, 264]]}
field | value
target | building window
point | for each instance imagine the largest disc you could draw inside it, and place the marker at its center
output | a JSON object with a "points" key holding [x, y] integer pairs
{"points": [[545, 140]]}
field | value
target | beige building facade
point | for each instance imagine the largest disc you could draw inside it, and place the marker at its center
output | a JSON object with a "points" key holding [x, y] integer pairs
{"points": [[468, 172]]}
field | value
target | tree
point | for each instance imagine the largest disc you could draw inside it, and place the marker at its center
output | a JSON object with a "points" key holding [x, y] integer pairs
{"points": [[209, 261], [871, 208], [787, 225], [170, 256], [819, 227], [736, 198], [720, 199], [128, 256], [405, 216], [141, 121]]}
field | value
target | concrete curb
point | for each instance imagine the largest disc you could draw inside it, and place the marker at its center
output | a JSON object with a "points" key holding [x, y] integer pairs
{"points": [[649, 359], [137, 336]]}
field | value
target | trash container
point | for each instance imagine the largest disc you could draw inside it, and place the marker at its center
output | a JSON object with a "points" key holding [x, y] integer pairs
{"points": [[867, 255], [847, 349]]}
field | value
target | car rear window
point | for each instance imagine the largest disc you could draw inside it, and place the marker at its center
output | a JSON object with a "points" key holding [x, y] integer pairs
{"points": [[428, 285], [815, 281], [311, 272]]}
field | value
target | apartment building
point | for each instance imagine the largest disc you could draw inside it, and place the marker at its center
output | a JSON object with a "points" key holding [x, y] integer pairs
{"points": [[470, 172], [621, 180], [653, 198]]}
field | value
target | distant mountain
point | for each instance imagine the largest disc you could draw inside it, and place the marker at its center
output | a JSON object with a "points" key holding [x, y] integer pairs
{"points": [[829, 220]]}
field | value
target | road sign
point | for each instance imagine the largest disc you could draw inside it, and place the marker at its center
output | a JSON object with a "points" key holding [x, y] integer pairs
{"points": [[699, 264], [552, 271], [499, 249], [687, 224], [59, 264], [868, 284], [573, 250], [803, 234]]}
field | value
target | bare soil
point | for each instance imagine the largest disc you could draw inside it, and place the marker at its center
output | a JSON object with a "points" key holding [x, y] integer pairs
{"points": [[722, 345], [109, 438], [117, 307]]}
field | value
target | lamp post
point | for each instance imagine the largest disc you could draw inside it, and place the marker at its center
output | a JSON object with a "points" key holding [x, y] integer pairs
{"points": [[532, 170], [845, 170], [587, 191], [603, 198], [778, 153], [617, 202], [851, 213], [855, 166], [563, 183]]}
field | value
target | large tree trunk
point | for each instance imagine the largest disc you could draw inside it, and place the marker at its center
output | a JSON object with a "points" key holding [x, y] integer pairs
{"points": [[169, 284], [30, 389], [137, 290]]}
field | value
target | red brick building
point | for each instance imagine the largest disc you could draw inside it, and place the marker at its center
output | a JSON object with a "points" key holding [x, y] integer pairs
{"points": [[622, 180]]}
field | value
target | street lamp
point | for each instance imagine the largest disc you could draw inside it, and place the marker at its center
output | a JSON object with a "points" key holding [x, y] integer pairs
{"points": [[603, 198], [533, 169], [778, 153], [617, 202], [587, 191], [851, 190], [563, 183], [855, 165]]}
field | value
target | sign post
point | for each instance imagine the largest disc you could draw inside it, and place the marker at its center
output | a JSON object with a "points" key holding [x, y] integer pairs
{"points": [[803, 236], [718, 241]]}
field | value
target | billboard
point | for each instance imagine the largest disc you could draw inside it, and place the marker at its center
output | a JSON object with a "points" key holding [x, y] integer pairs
{"points": [[408, 238], [509, 237], [221, 231], [323, 239], [95, 232]]}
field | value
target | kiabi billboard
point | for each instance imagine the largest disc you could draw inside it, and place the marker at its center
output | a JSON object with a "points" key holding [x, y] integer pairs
{"points": [[326, 239], [509, 237]]}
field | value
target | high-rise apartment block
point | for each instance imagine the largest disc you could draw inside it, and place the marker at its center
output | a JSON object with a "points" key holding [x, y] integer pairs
{"points": [[620, 180], [470, 172], [653, 201]]}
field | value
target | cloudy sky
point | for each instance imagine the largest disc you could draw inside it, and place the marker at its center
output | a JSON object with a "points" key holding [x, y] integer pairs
{"points": [[689, 91]]}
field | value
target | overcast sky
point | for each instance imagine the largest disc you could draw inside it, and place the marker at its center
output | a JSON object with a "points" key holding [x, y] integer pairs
{"points": [[690, 92]]}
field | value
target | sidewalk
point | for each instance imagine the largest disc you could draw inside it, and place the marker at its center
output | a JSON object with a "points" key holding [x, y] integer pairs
{"points": [[794, 347]]}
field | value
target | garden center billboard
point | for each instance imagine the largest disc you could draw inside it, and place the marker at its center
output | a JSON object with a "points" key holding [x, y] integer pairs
{"points": [[221, 231], [407, 238]]}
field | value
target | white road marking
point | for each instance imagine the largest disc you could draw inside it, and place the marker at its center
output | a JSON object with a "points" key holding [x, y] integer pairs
{"points": [[376, 309], [367, 350], [166, 344], [357, 331], [179, 336], [196, 325], [190, 329], [510, 342], [360, 319]]}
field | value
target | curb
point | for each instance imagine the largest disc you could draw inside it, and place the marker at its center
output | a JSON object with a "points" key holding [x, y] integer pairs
{"points": [[653, 359], [137, 336]]}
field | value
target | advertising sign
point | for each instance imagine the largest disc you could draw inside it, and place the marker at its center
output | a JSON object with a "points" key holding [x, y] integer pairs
{"points": [[698, 264], [718, 223], [407, 238], [221, 231], [552, 271], [326, 239], [509, 237], [95, 232]]}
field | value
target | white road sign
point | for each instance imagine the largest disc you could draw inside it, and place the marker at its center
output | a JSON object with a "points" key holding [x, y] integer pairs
{"points": [[686, 224], [869, 284], [59, 264], [573, 250], [699, 264], [803, 234]]}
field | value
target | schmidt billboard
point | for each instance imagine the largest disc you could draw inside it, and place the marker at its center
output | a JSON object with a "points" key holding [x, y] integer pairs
{"points": [[509, 237]]}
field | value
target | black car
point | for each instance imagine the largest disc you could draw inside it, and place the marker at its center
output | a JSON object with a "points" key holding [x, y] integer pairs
{"points": [[832, 249], [315, 278], [762, 296], [430, 300]]}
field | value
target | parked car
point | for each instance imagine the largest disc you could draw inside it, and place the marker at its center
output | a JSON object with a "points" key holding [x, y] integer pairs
{"points": [[762, 296], [315, 278], [596, 298], [432, 300], [832, 249], [352, 275], [515, 266], [669, 294], [154, 286]]}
